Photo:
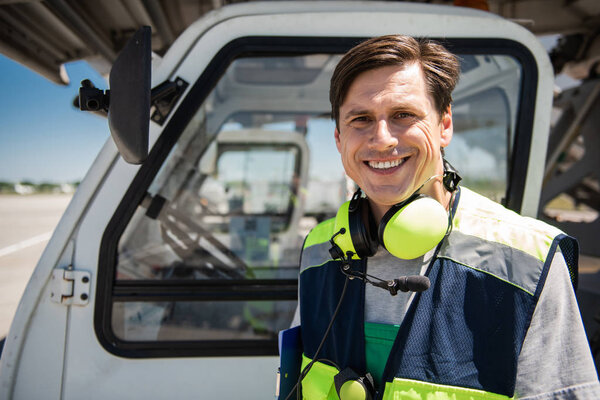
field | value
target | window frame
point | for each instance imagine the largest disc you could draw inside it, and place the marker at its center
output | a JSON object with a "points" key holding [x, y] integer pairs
{"points": [[109, 290]]}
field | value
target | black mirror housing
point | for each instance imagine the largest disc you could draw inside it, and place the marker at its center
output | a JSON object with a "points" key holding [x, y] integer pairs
{"points": [[129, 106]]}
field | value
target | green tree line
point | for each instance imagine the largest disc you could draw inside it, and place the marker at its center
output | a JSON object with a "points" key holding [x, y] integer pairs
{"points": [[41, 187]]}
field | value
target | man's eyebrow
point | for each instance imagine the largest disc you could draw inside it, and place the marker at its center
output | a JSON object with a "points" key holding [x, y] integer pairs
{"points": [[355, 111], [400, 106]]}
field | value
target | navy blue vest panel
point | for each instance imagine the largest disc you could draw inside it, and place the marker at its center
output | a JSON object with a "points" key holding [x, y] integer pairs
{"points": [[466, 330], [320, 291]]}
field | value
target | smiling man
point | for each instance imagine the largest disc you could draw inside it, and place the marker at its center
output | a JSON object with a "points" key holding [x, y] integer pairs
{"points": [[499, 319]]}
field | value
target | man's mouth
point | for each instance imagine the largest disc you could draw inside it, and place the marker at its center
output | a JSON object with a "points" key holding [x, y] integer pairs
{"points": [[386, 164]]}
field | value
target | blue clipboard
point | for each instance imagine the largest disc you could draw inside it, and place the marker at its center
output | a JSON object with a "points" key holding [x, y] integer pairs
{"points": [[290, 360]]}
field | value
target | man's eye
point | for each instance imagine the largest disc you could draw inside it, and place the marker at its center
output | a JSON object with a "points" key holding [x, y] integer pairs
{"points": [[360, 119], [404, 115]]}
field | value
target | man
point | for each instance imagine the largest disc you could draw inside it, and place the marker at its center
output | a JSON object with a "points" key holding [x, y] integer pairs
{"points": [[500, 318]]}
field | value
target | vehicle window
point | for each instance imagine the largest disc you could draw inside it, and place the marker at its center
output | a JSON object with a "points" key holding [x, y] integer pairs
{"points": [[212, 251], [484, 117]]}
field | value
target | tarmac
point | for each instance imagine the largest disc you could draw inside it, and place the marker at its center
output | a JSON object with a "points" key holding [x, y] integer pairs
{"points": [[26, 225]]}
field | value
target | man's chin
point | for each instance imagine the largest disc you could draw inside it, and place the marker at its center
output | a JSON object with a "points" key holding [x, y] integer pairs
{"points": [[387, 198]]}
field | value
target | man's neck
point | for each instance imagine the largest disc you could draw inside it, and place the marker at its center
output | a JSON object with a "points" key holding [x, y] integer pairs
{"points": [[437, 191]]}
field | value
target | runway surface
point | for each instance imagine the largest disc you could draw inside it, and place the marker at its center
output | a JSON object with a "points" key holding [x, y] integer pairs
{"points": [[26, 224]]}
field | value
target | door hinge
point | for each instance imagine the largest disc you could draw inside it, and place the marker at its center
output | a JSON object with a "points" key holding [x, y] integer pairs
{"points": [[70, 287]]}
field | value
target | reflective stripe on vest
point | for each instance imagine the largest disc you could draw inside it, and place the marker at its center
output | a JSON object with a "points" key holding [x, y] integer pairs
{"points": [[320, 387]]}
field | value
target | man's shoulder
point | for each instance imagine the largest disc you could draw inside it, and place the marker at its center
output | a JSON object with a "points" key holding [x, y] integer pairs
{"points": [[315, 251], [321, 233], [482, 218], [476, 208]]}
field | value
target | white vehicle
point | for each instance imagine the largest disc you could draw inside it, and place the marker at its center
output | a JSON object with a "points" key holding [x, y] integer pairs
{"points": [[171, 278]]}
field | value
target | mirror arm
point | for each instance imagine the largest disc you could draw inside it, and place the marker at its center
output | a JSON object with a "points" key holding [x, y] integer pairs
{"points": [[91, 98], [164, 97], [161, 91]]}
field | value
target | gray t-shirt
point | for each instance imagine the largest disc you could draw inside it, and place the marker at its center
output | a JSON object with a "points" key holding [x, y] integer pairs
{"points": [[380, 307], [555, 361]]}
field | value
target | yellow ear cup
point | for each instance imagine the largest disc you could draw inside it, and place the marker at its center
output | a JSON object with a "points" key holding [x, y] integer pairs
{"points": [[415, 229], [344, 240], [353, 390]]}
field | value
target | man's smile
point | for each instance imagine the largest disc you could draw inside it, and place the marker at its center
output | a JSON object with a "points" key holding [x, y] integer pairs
{"points": [[384, 164], [387, 165]]}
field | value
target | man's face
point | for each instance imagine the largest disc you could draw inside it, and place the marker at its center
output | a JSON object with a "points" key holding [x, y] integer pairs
{"points": [[390, 135]]}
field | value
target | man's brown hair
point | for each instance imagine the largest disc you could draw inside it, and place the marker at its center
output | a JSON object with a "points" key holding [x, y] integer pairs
{"points": [[440, 67]]}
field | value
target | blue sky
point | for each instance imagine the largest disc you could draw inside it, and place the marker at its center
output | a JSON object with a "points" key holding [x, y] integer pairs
{"points": [[43, 138]]}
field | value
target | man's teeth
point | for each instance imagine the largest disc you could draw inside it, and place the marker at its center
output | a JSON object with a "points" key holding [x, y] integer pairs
{"points": [[384, 164]]}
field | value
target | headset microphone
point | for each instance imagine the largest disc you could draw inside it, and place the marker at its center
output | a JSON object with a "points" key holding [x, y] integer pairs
{"points": [[412, 283]]}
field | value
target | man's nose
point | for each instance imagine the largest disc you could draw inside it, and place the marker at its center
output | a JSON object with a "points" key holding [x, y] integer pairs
{"points": [[383, 137]]}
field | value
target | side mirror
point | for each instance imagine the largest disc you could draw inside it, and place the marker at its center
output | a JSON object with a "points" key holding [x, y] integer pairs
{"points": [[129, 108], [128, 100]]}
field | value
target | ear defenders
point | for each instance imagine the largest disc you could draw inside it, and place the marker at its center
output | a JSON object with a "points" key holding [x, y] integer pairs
{"points": [[408, 230]]}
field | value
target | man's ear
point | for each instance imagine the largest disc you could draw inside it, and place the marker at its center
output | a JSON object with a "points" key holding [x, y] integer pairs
{"points": [[338, 144], [447, 129]]}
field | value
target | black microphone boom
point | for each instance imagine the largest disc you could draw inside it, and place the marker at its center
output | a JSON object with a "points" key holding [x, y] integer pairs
{"points": [[413, 283]]}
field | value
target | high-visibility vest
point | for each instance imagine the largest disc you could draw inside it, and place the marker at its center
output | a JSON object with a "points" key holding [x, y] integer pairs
{"points": [[461, 338]]}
